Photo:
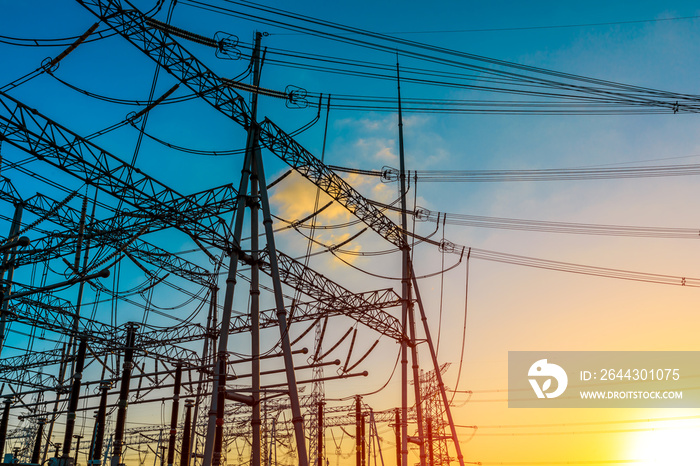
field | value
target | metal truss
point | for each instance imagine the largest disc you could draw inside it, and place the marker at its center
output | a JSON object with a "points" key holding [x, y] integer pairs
{"points": [[387, 417], [164, 50], [52, 313], [119, 229], [30, 379], [157, 204], [121, 237], [371, 316], [9, 190], [435, 411], [28, 130], [361, 307]]}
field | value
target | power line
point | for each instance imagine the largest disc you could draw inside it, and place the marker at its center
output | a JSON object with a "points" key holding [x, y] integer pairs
{"points": [[505, 223], [434, 54], [560, 26], [537, 174]]}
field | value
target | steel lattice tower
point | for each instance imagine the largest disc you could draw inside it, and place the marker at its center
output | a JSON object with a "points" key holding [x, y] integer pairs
{"points": [[434, 411]]}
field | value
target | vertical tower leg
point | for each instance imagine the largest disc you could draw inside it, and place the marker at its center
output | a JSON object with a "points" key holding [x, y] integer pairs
{"points": [[174, 415], [74, 398], [185, 452], [209, 341], [77, 448], [221, 396], [363, 440], [227, 309], [96, 459], [297, 419], [319, 445], [436, 366], [431, 454], [3, 425], [416, 379], [7, 262], [124, 394], [255, 313], [37, 443], [358, 432], [397, 431]]}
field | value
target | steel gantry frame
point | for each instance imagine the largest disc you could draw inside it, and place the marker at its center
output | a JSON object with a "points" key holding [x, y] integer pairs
{"points": [[332, 298], [269, 135], [133, 26], [296, 273]]}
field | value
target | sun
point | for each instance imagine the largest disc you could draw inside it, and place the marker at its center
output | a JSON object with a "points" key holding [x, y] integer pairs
{"points": [[668, 443]]}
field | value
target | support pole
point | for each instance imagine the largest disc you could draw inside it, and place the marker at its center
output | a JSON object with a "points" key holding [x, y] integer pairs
{"points": [[77, 448], [161, 448], [404, 289], [228, 307], [407, 318], [416, 375], [124, 394], [174, 414], [74, 398], [86, 256], [397, 431], [297, 419], [358, 432], [3, 425], [319, 444], [100, 425], [211, 337], [8, 263], [110, 444], [431, 451], [37, 443], [438, 375], [363, 440], [255, 272], [61, 376], [185, 450], [273, 440], [221, 396], [209, 446], [253, 161], [92, 441]]}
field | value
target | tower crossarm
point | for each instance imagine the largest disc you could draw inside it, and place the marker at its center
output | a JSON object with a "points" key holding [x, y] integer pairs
{"points": [[36, 380], [118, 231], [371, 315], [29, 130], [49, 312], [364, 307]]}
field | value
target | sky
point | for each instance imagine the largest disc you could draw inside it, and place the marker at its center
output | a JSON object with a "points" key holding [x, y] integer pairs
{"points": [[508, 307]]}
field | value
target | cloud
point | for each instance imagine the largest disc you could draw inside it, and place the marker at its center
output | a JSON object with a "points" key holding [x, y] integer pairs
{"points": [[378, 150], [383, 124], [294, 200], [375, 142]]}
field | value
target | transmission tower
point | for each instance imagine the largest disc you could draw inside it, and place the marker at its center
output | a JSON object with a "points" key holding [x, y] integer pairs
{"points": [[437, 434], [143, 363]]}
